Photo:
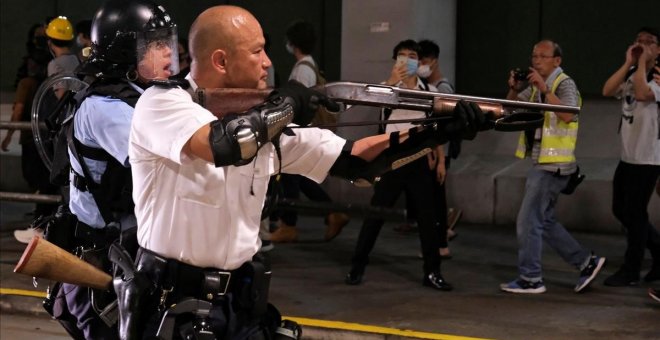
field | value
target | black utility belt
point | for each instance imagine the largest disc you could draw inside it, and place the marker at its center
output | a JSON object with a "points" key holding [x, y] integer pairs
{"points": [[186, 279]]}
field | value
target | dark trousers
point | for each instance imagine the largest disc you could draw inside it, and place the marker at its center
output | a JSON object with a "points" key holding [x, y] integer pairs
{"points": [[292, 186], [418, 183], [73, 309], [633, 186], [37, 176], [441, 212]]}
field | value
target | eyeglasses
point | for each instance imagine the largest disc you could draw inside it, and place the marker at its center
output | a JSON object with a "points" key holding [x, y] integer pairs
{"points": [[646, 42], [537, 56]]}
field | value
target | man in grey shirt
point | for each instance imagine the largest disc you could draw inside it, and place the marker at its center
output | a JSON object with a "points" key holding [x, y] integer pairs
{"points": [[60, 40]]}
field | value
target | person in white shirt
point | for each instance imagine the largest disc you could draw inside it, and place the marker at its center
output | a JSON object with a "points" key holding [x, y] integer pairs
{"points": [[639, 168], [199, 181], [417, 180]]}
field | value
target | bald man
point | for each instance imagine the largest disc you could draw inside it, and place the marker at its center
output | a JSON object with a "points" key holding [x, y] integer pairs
{"points": [[199, 182]]}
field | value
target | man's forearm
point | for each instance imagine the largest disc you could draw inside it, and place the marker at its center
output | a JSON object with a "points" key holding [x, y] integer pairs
{"points": [[369, 148], [612, 84]]}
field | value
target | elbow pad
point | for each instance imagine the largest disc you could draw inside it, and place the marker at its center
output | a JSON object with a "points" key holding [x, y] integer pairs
{"points": [[235, 139], [363, 173]]}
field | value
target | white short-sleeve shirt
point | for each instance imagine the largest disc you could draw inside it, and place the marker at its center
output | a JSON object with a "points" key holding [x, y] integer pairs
{"points": [[403, 114], [191, 211], [640, 126]]}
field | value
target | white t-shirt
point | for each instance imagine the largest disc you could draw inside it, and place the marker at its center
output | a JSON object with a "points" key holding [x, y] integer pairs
{"points": [[191, 211], [640, 126], [303, 73], [407, 114]]}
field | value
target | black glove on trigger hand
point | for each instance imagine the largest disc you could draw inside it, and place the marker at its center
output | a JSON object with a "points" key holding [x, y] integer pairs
{"points": [[306, 101]]}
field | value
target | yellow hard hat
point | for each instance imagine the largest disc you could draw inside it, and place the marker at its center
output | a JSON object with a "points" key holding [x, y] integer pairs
{"points": [[60, 28]]}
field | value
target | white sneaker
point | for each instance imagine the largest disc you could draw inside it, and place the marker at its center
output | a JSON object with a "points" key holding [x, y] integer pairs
{"points": [[26, 235]]}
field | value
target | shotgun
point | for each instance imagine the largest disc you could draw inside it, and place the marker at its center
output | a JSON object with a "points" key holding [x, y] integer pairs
{"points": [[508, 115]]}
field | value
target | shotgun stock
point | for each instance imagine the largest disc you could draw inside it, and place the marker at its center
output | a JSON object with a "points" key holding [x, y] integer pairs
{"points": [[45, 260]]}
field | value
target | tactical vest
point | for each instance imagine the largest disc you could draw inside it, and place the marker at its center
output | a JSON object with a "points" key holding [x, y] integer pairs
{"points": [[113, 194], [558, 138]]}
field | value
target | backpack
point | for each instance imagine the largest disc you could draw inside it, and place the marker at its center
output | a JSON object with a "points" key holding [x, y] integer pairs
{"points": [[322, 116]]}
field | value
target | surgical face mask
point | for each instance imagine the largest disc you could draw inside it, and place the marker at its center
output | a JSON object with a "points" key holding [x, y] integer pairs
{"points": [[424, 71], [289, 47], [411, 66]]}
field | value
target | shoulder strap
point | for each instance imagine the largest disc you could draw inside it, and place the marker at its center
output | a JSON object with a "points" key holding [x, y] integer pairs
{"points": [[442, 81], [92, 187]]}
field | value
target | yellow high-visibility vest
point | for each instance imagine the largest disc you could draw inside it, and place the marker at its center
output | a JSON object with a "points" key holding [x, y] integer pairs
{"points": [[558, 138]]}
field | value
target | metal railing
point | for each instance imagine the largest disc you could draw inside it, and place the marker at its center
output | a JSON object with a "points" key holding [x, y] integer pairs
{"points": [[20, 196]]}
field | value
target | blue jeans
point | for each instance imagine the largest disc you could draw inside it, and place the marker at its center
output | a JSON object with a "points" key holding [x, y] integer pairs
{"points": [[536, 222]]}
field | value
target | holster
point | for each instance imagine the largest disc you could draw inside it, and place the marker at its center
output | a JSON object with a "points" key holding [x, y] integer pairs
{"points": [[135, 292], [252, 294]]}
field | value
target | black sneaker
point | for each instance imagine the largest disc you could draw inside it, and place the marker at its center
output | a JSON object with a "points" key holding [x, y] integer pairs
{"points": [[622, 279], [589, 272], [436, 281]]}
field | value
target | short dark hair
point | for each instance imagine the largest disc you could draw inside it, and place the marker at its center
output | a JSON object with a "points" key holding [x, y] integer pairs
{"points": [[408, 44], [84, 27], [301, 35], [429, 49], [650, 30]]}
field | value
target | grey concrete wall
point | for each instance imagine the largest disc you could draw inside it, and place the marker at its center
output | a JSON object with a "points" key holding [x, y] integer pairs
{"points": [[487, 181]]}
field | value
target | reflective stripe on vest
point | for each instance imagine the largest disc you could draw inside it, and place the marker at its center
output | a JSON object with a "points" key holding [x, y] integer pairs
{"points": [[558, 138]]}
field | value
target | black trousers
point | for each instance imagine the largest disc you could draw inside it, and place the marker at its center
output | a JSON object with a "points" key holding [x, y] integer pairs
{"points": [[292, 186], [441, 212], [37, 176], [419, 185], [633, 186]]}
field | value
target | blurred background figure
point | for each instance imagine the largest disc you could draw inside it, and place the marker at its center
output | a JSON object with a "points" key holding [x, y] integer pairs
{"points": [[32, 73], [638, 170], [83, 39], [60, 42], [301, 41]]}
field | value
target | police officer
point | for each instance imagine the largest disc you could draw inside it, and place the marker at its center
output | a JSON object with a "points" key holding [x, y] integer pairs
{"points": [[199, 182], [130, 40]]}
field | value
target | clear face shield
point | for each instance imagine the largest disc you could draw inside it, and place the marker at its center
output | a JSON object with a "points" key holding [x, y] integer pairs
{"points": [[157, 54]]}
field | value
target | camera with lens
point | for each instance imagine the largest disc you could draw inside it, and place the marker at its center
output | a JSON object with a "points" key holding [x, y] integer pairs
{"points": [[520, 74]]}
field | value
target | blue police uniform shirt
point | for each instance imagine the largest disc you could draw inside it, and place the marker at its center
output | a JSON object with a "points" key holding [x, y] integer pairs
{"points": [[100, 122]]}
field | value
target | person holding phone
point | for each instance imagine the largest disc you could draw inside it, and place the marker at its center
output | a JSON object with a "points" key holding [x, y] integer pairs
{"points": [[416, 180]]}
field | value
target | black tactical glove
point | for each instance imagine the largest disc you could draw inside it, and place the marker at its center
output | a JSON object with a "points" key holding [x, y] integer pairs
{"points": [[466, 121], [306, 101]]}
